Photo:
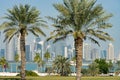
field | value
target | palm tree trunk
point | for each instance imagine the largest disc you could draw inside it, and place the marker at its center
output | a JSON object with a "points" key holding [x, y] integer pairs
{"points": [[78, 51], [23, 58]]}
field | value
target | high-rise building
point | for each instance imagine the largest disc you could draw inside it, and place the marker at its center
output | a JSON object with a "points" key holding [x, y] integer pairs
{"points": [[86, 51], [66, 52], [110, 55], [94, 54], [28, 53], [59, 47], [2, 53], [10, 50], [36, 47], [103, 54]]}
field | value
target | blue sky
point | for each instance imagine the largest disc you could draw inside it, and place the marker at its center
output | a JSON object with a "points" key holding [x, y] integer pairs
{"points": [[46, 9]]}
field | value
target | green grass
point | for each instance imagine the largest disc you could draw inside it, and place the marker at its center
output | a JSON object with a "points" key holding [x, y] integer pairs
{"points": [[60, 78]]}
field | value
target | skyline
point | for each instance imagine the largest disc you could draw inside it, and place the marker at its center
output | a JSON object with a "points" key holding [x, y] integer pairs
{"points": [[90, 53], [46, 9]]}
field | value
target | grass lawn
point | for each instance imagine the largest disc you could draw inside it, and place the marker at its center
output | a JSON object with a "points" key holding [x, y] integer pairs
{"points": [[60, 78]]}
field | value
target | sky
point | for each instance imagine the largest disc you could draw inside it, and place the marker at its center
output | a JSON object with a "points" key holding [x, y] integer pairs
{"points": [[46, 9]]}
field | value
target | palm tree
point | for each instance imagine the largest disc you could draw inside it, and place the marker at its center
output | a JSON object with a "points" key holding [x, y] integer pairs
{"points": [[47, 55], [22, 20], [3, 63], [16, 58], [82, 20], [38, 60], [62, 65]]}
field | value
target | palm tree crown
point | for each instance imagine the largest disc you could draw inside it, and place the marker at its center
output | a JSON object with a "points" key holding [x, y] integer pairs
{"points": [[81, 18], [24, 18]]}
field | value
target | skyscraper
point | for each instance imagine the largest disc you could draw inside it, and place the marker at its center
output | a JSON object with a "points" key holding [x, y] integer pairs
{"points": [[86, 51], [110, 55], [59, 47], [103, 54], [36, 47], [2, 53], [10, 50], [66, 52], [94, 54], [28, 53]]}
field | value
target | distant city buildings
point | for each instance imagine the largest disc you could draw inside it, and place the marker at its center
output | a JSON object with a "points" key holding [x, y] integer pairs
{"points": [[110, 55], [90, 52]]}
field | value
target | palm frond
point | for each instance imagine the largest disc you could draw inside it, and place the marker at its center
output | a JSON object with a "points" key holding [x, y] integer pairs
{"points": [[7, 25], [33, 32], [93, 40], [9, 33], [36, 31]]}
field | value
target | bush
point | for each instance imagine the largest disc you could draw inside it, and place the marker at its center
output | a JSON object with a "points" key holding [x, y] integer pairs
{"points": [[29, 73]]}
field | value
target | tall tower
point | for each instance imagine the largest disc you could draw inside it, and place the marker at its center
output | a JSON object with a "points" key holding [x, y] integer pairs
{"points": [[28, 53], [110, 55], [103, 54], [94, 54], [10, 50], [59, 47], [66, 52], [86, 51]]}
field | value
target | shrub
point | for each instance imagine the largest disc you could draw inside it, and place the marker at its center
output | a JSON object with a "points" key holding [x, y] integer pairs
{"points": [[29, 73]]}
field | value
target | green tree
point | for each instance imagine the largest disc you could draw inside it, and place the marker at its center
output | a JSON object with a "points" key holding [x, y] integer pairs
{"points": [[102, 65], [47, 55], [21, 20], [110, 66], [84, 72], [3, 63], [118, 64], [93, 69], [16, 58], [81, 19], [62, 65], [38, 60]]}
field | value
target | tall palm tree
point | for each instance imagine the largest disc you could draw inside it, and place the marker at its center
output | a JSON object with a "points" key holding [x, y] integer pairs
{"points": [[62, 65], [21, 20], [38, 60], [82, 20], [16, 58]]}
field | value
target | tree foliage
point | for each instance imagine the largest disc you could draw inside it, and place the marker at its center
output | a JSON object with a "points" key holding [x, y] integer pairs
{"points": [[47, 55], [102, 65]]}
